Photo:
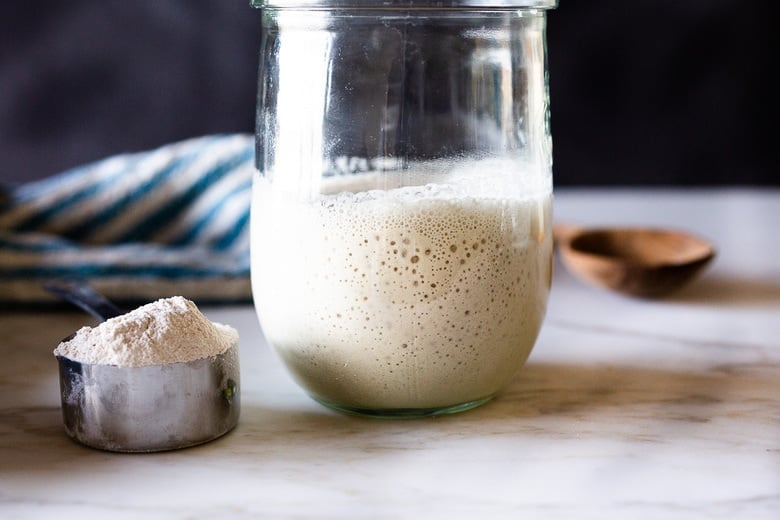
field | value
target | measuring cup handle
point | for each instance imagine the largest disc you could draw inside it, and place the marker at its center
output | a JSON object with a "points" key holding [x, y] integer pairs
{"points": [[82, 295]]}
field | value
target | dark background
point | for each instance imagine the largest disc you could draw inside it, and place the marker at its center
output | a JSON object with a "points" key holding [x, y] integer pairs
{"points": [[644, 92]]}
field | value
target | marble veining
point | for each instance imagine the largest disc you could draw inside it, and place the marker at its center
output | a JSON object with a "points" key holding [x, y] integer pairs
{"points": [[626, 409]]}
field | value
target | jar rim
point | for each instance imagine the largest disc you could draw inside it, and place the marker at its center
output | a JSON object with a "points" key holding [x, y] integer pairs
{"points": [[405, 4]]}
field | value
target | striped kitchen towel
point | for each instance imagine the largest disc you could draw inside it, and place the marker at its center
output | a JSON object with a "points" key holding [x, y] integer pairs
{"points": [[171, 221]]}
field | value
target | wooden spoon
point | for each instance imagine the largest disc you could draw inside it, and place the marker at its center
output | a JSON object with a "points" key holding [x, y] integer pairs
{"points": [[642, 262]]}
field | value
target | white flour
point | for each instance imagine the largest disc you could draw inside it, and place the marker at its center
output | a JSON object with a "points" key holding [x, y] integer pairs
{"points": [[170, 330]]}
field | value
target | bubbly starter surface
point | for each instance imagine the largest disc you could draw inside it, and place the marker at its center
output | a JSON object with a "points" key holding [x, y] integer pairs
{"points": [[414, 297]]}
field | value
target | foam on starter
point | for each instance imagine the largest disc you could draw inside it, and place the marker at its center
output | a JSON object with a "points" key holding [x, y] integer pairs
{"points": [[410, 297]]}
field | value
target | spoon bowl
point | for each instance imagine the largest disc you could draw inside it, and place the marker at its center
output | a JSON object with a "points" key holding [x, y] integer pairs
{"points": [[643, 262]]}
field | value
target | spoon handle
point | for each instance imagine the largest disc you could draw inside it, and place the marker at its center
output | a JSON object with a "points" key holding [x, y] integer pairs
{"points": [[82, 295], [564, 232]]}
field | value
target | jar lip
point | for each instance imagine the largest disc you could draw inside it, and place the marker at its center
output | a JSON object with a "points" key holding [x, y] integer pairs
{"points": [[406, 4]]}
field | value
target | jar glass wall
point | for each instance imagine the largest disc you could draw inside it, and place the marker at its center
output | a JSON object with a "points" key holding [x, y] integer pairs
{"points": [[401, 213]]}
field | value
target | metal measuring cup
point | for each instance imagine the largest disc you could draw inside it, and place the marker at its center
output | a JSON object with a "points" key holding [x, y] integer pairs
{"points": [[149, 408]]}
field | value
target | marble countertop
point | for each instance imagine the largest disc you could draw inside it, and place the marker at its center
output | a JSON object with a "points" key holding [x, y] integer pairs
{"points": [[626, 409]]}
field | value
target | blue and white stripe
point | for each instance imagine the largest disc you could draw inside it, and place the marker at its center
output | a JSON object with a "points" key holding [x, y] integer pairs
{"points": [[138, 226]]}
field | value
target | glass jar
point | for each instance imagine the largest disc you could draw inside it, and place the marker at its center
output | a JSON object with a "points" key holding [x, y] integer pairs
{"points": [[401, 216]]}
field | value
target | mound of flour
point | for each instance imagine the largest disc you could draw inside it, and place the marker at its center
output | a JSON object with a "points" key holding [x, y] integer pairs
{"points": [[170, 330]]}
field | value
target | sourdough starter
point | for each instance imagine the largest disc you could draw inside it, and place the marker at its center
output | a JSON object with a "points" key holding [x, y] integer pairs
{"points": [[408, 298]]}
